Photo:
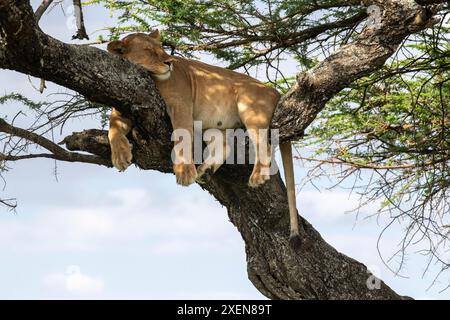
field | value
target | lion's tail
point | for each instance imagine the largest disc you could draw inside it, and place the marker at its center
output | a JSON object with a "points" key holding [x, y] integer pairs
{"points": [[286, 156]]}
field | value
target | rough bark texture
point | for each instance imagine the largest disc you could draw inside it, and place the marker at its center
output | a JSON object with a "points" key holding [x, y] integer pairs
{"points": [[317, 271]]}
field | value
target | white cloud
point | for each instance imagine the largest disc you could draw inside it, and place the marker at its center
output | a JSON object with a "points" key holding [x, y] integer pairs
{"points": [[128, 219], [73, 282], [137, 219], [360, 247], [329, 206]]}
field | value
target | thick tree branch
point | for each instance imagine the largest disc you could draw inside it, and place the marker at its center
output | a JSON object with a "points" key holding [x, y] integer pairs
{"points": [[376, 43], [318, 271]]}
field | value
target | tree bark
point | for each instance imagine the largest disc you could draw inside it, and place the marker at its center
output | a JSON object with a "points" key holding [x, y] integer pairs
{"points": [[317, 271]]}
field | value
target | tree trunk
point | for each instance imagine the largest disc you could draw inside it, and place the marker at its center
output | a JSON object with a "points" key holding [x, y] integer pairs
{"points": [[317, 270]]}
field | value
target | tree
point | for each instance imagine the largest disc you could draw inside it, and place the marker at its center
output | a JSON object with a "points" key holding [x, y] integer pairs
{"points": [[355, 40]]}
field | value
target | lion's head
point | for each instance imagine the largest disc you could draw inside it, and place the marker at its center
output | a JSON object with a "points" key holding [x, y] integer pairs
{"points": [[145, 50]]}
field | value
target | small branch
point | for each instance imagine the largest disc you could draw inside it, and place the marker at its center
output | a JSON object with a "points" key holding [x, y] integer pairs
{"points": [[336, 161], [7, 157], [81, 33], [42, 85], [284, 42], [57, 152], [42, 8], [305, 35], [10, 203]]}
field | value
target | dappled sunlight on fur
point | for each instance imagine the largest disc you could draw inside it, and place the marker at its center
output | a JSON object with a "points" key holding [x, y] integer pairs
{"points": [[218, 98]]}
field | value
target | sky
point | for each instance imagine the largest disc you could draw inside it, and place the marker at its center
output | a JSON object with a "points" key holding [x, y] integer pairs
{"points": [[83, 231]]}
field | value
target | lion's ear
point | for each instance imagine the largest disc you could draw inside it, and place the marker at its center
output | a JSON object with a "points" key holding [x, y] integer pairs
{"points": [[155, 34], [116, 47]]}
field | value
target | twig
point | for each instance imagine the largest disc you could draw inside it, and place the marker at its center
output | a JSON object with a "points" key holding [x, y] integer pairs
{"points": [[42, 8], [42, 86], [10, 203], [370, 165]]}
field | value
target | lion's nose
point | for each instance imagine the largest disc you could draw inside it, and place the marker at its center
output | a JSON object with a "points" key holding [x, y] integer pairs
{"points": [[169, 63]]}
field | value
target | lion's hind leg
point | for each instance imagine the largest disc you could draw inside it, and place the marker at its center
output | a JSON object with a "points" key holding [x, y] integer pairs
{"points": [[255, 111], [263, 156]]}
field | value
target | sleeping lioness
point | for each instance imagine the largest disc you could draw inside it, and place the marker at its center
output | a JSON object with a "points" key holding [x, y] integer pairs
{"points": [[195, 91]]}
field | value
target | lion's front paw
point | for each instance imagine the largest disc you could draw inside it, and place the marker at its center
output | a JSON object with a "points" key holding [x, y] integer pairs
{"points": [[121, 155], [185, 173], [259, 176]]}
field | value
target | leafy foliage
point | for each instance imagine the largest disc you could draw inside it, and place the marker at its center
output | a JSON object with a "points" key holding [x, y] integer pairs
{"points": [[391, 131], [242, 33]]}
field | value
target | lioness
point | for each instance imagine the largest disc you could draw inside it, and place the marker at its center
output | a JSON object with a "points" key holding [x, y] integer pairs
{"points": [[195, 91]]}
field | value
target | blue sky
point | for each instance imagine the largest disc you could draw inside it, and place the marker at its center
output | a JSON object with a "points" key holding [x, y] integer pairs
{"points": [[95, 233]]}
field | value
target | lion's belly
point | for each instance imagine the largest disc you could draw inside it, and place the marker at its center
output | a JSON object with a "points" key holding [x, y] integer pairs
{"points": [[218, 116]]}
